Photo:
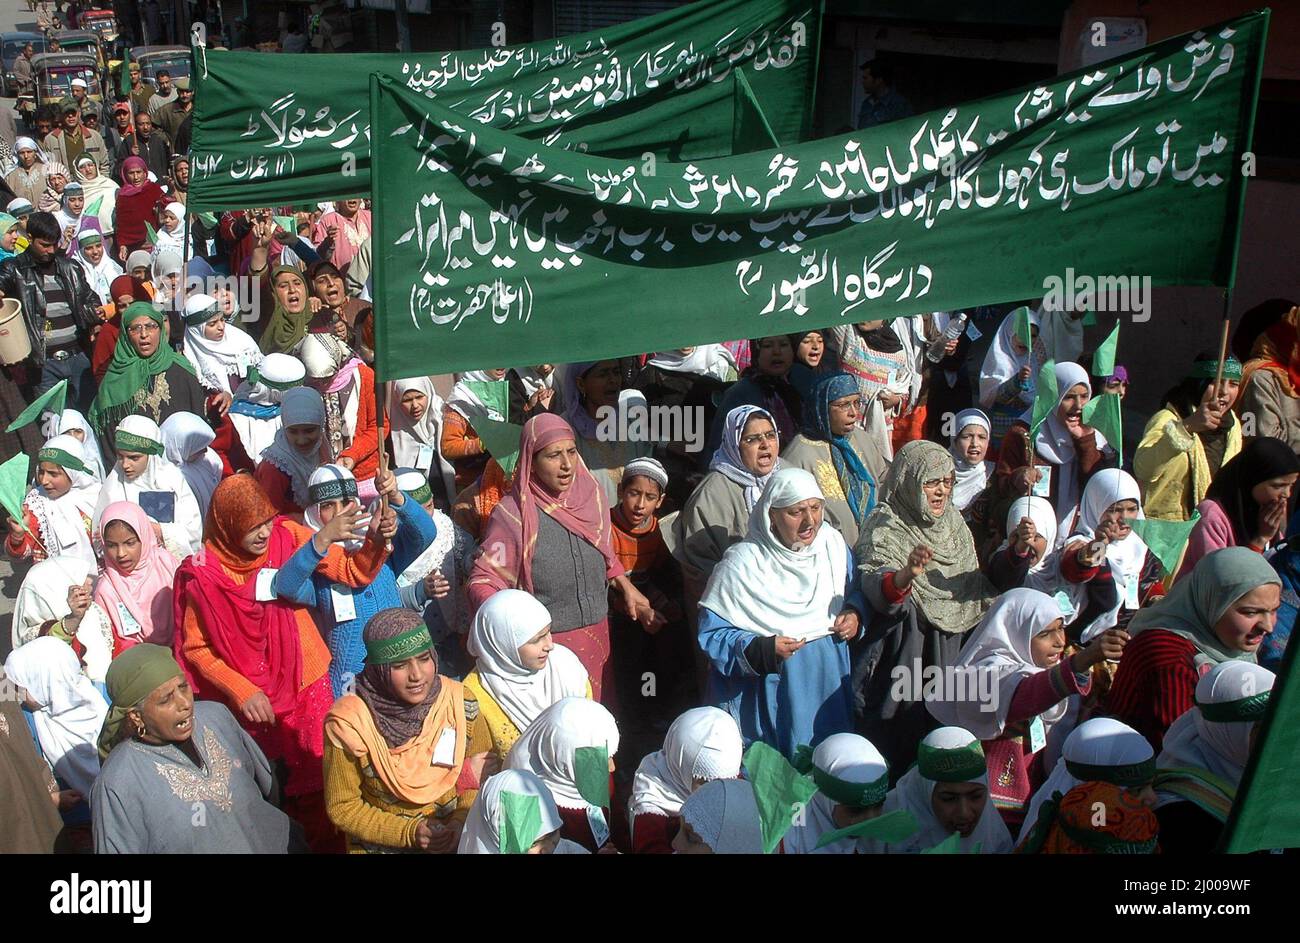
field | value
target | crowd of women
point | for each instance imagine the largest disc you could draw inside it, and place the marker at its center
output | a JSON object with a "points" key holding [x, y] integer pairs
{"points": [[270, 605]]}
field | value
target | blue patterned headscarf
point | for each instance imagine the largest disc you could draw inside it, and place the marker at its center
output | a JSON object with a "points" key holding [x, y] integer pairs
{"points": [[852, 472]]}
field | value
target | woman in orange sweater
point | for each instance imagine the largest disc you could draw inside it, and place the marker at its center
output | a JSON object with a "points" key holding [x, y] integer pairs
{"points": [[264, 657]]}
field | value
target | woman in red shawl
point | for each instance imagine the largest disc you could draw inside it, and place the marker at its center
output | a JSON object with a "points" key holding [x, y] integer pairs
{"points": [[263, 656], [1270, 383], [550, 536], [137, 204]]}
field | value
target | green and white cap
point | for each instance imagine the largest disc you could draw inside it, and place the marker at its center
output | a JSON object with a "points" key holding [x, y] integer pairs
{"points": [[951, 755]]}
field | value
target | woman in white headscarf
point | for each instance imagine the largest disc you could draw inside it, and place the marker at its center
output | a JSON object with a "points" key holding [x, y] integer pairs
{"points": [[969, 446], [347, 389], [1064, 455], [1027, 557], [720, 818], [775, 615], [1205, 755], [415, 422], [67, 710], [90, 251], [947, 793], [519, 671], [716, 515], [143, 476], [570, 747], [59, 510], [702, 745], [1009, 373], [852, 782], [186, 438], [1098, 750], [171, 231], [1013, 685], [73, 423], [100, 190], [55, 600], [514, 814], [218, 350]]}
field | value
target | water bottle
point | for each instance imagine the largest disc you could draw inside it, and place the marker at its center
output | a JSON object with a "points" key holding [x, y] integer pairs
{"points": [[955, 326]]}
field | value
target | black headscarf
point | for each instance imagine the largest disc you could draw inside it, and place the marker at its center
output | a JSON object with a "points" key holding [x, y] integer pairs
{"points": [[1262, 460]]}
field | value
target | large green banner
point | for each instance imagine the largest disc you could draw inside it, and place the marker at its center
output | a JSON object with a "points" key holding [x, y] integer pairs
{"points": [[492, 250], [274, 129]]}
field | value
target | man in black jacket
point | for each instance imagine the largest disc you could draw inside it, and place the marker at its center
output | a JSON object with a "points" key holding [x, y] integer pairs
{"points": [[61, 311]]}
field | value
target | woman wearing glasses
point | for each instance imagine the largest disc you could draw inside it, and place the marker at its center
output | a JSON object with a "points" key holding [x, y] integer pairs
{"points": [[923, 583], [146, 377]]}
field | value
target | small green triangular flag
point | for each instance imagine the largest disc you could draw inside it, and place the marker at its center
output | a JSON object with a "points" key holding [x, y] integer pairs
{"points": [[1023, 327], [287, 224], [13, 488], [124, 77], [93, 208], [889, 828], [591, 774], [521, 821], [494, 394], [1103, 414], [151, 234], [501, 439], [1103, 361], [1166, 539], [52, 400], [1046, 398], [779, 791], [950, 846], [209, 220]]}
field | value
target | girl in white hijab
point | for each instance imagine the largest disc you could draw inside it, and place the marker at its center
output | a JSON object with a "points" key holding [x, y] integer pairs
{"points": [[171, 231], [509, 636], [99, 274], [67, 710], [73, 423], [702, 745], [186, 438], [142, 470], [1027, 557], [46, 596], [1111, 500], [1009, 374], [707, 360], [501, 821], [947, 792], [1017, 685], [852, 783], [969, 445], [217, 350], [60, 508], [561, 748], [417, 442], [774, 616], [1098, 750], [720, 818]]}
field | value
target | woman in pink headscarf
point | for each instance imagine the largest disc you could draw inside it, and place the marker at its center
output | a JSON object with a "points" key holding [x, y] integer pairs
{"points": [[137, 205], [136, 589], [550, 536]]}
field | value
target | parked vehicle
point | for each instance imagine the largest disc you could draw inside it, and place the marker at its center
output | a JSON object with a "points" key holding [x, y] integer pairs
{"points": [[55, 71], [173, 59], [11, 47]]}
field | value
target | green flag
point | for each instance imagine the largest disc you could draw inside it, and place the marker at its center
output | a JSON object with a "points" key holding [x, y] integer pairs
{"points": [[501, 439], [494, 394], [124, 76], [780, 791], [150, 234], [1166, 539], [93, 208], [267, 135], [13, 488], [591, 775], [556, 255], [287, 224], [1103, 414], [951, 846], [52, 400], [890, 827], [1024, 328], [1103, 361], [521, 820], [750, 128], [1046, 398]]}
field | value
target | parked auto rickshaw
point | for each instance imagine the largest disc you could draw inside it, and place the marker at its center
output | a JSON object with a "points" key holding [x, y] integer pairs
{"points": [[84, 40], [151, 59], [54, 72]]}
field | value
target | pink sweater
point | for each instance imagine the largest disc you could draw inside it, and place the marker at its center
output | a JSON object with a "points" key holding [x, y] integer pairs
{"points": [[1212, 532]]}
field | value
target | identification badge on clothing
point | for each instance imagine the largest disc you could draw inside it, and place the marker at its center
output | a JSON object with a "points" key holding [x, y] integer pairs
{"points": [[599, 827], [1063, 602], [972, 331], [265, 591], [1037, 735], [444, 754], [1132, 585], [425, 460], [345, 607], [1043, 486], [128, 622], [241, 363]]}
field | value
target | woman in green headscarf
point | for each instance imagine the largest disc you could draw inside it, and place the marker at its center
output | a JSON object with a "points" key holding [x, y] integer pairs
{"points": [[171, 764], [1222, 612], [294, 307], [146, 376], [8, 236], [923, 583]]}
